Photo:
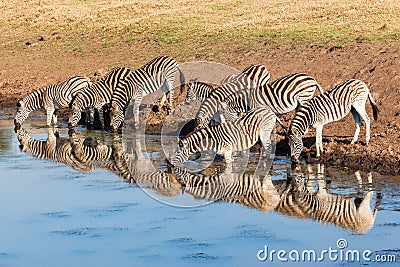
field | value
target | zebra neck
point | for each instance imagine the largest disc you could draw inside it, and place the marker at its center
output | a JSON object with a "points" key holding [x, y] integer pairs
{"points": [[208, 108], [302, 121], [34, 100]]}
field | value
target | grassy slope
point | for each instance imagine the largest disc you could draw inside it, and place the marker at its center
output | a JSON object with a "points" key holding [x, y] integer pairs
{"points": [[192, 30]]}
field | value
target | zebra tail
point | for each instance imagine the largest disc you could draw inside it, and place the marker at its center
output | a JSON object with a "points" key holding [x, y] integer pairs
{"points": [[375, 109], [181, 80]]}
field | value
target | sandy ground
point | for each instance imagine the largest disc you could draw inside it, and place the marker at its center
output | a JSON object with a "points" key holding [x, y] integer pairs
{"points": [[376, 63]]}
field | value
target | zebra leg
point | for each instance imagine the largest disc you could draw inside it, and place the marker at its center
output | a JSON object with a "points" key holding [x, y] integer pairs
{"points": [[170, 89], [265, 136], [136, 104], [357, 119], [49, 115], [318, 140], [55, 117], [360, 108], [91, 117], [228, 154], [101, 117]]}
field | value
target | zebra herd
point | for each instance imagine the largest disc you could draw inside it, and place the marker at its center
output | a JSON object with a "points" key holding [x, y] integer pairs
{"points": [[248, 101]]}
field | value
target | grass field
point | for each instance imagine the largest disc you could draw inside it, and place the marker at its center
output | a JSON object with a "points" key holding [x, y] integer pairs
{"points": [[190, 29]]}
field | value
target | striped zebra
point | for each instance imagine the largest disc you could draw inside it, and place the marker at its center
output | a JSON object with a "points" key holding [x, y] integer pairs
{"points": [[198, 90], [98, 95], [226, 138], [58, 150], [299, 199], [100, 156], [246, 189], [50, 98], [158, 73], [282, 95], [251, 77], [201, 90], [331, 106]]}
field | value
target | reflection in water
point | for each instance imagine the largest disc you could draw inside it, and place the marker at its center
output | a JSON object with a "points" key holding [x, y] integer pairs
{"points": [[299, 199], [294, 197]]}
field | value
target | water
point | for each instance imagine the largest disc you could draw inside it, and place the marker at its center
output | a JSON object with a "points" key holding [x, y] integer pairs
{"points": [[72, 210]]}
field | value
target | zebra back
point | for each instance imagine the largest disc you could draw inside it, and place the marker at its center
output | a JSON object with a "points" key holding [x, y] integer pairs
{"points": [[251, 77], [100, 92], [284, 94], [145, 80]]}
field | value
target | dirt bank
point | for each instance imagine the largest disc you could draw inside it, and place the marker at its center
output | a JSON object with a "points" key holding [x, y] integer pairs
{"points": [[376, 63]]}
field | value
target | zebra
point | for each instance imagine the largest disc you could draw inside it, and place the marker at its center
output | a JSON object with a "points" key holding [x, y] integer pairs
{"points": [[51, 98], [282, 96], [158, 73], [247, 188], [333, 105], [56, 149], [251, 77], [201, 90], [228, 137], [101, 156], [98, 95], [198, 90], [299, 199]]}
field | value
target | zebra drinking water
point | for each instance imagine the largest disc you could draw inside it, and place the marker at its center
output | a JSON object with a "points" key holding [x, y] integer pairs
{"points": [[331, 106], [229, 137], [98, 95], [50, 97]]}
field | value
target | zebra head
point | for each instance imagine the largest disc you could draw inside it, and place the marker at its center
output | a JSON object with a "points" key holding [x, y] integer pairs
{"points": [[296, 145], [75, 115], [191, 94], [23, 138], [181, 154], [117, 116], [21, 115]]}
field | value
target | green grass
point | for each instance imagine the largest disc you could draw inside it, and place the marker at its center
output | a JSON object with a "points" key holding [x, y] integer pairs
{"points": [[192, 29]]}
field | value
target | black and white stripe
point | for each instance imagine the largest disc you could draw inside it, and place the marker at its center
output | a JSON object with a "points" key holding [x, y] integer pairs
{"points": [[51, 98], [299, 199], [251, 77], [226, 138], [98, 95], [58, 150], [99, 155], [246, 189], [282, 95], [331, 106], [158, 73], [198, 90]]}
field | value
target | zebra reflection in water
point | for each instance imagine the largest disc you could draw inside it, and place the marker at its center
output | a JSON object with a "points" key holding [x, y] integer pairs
{"points": [[299, 199], [56, 149], [296, 197]]}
